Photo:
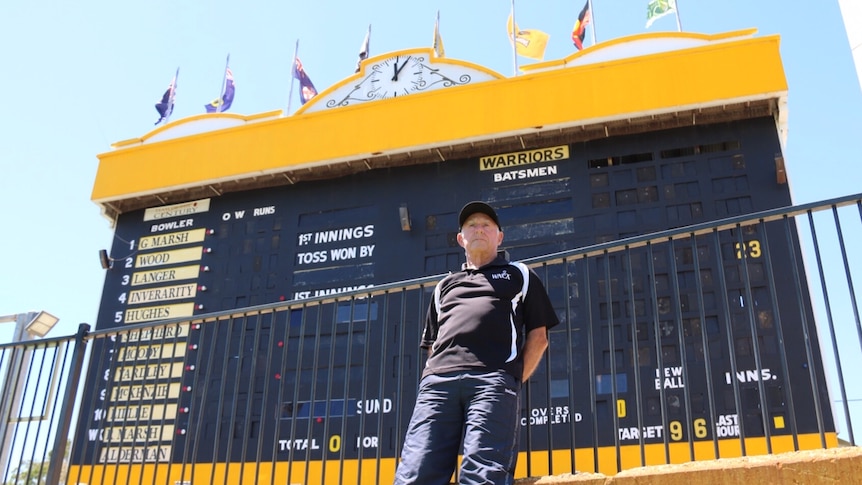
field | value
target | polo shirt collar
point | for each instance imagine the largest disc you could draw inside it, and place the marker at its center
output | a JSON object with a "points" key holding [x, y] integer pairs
{"points": [[502, 259]]}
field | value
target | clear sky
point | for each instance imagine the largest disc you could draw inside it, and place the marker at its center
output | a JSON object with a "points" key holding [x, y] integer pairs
{"points": [[83, 75]]}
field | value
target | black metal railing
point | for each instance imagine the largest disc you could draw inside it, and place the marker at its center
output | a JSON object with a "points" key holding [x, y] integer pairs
{"points": [[732, 338]]}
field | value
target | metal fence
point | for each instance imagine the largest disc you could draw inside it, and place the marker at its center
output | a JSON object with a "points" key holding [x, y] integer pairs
{"points": [[732, 338]]}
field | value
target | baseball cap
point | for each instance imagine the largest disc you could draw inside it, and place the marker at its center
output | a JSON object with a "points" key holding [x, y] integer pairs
{"points": [[477, 206]]}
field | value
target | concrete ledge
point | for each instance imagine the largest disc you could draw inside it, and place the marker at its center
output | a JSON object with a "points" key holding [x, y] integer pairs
{"points": [[830, 466]]}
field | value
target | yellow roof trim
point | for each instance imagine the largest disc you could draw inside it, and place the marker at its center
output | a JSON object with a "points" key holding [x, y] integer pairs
{"points": [[610, 44], [173, 125], [691, 78]]}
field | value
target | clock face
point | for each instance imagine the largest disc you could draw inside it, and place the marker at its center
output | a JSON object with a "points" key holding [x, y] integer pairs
{"points": [[396, 76]]}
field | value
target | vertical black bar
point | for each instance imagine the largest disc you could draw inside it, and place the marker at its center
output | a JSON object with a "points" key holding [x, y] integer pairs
{"points": [[220, 405], [268, 377], [295, 404], [636, 366], [704, 334], [847, 273], [591, 359], [384, 348], [281, 377], [170, 380], [782, 354], [312, 396], [731, 348], [683, 360], [609, 300], [248, 424], [398, 357], [812, 372], [838, 366], [346, 393], [24, 393], [104, 371], [214, 327], [360, 452], [659, 355], [755, 342], [569, 297], [65, 417], [63, 374], [547, 364], [333, 349], [231, 432], [16, 365]]}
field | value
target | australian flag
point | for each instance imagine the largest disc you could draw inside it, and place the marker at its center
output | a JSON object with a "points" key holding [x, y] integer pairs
{"points": [[222, 104], [306, 88], [166, 106]]}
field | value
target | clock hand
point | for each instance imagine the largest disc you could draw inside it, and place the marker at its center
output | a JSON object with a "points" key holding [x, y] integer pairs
{"points": [[398, 69]]}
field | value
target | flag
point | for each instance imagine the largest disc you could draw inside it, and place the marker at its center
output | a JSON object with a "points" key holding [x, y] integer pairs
{"points": [[438, 41], [580, 28], [363, 51], [528, 43], [166, 106], [659, 8], [222, 104], [306, 88]]}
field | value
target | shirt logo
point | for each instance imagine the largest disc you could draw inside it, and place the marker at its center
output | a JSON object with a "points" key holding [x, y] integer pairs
{"points": [[504, 275]]}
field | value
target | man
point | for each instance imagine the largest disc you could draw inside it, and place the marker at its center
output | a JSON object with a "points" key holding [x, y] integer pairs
{"points": [[486, 332]]}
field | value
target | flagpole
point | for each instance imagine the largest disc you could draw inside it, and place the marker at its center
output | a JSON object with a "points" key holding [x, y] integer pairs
{"points": [[592, 20], [434, 43], [223, 84], [365, 49], [514, 40], [170, 107], [678, 21], [292, 78]]}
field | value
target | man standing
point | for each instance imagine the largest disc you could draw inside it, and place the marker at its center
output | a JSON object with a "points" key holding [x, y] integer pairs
{"points": [[486, 331]]}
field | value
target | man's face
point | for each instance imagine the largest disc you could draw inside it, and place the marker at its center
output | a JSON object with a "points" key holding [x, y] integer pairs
{"points": [[480, 233]]}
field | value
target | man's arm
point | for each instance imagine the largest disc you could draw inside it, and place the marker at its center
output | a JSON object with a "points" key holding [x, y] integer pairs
{"points": [[534, 348]]}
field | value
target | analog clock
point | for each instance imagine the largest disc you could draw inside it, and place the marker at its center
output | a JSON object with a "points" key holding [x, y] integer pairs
{"points": [[396, 76], [399, 74]]}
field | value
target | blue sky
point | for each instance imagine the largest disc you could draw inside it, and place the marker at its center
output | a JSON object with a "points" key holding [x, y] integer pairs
{"points": [[83, 75]]}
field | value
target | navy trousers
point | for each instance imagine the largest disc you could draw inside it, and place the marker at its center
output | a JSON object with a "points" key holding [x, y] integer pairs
{"points": [[481, 407]]}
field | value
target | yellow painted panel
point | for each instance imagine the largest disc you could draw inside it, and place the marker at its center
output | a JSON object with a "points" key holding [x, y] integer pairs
{"points": [[667, 82], [300, 472]]}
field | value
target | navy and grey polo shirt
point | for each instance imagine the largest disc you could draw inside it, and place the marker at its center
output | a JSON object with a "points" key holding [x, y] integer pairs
{"points": [[482, 319]]}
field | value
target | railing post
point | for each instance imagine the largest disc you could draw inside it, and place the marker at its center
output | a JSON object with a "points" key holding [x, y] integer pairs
{"points": [[55, 466]]}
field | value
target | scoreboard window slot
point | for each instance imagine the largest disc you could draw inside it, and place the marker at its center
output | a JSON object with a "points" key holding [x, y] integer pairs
{"points": [[599, 179], [604, 383], [653, 406], [720, 147], [764, 319], [639, 309], [357, 311], [644, 356], [646, 174], [559, 388], [601, 200], [674, 404], [603, 310], [619, 358], [678, 170], [669, 354], [678, 152]]}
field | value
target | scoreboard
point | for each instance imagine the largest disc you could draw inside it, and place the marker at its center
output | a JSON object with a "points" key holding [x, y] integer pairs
{"points": [[150, 390]]}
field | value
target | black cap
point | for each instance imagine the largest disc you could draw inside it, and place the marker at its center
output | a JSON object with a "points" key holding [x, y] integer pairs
{"points": [[474, 207]]}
